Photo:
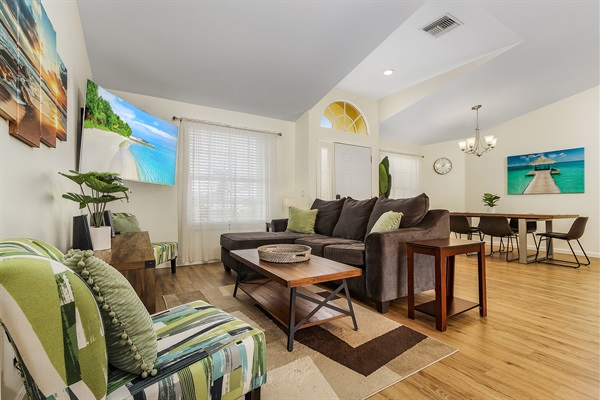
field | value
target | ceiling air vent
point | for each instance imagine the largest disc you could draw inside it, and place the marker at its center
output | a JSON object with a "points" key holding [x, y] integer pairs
{"points": [[441, 25]]}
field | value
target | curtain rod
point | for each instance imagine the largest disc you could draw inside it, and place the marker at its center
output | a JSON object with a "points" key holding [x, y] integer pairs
{"points": [[225, 125], [403, 154]]}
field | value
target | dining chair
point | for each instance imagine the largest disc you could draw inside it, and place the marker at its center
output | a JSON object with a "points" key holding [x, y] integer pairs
{"points": [[531, 228], [575, 233], [497, 226], [459, 224]]}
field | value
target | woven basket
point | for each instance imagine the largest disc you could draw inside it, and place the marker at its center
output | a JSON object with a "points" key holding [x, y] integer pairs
{"points": [[284, 253]]}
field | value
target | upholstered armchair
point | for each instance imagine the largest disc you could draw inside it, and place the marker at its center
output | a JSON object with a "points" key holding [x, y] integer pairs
{"points": [[58, 324]]}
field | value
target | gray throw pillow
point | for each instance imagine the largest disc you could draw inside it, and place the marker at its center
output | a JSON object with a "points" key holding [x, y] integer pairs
{"points": [[328, 216], [413, 210], [354, 218]]}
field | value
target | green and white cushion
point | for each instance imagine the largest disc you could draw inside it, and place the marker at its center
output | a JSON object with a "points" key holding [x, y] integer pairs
{"points": [[24, 246], [40, 297], [203, 353], [164, 251]]}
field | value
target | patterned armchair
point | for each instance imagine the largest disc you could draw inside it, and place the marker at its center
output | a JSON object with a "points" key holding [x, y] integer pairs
{"points": [[55, 327], [163, 251]]}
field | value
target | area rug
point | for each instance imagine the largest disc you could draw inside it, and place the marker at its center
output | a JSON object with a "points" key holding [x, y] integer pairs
{"points": [[330, 361]]}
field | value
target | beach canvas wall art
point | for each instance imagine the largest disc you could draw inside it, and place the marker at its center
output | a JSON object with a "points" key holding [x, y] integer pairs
{"points": [[119, 137], [33, 78], [560, 171]]}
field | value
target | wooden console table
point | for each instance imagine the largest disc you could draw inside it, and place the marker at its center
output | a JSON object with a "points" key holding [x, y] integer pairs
{"points": [[131, 254], [445, 304]]}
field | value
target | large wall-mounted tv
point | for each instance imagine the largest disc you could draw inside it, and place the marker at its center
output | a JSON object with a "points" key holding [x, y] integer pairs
{"points": [[118, 137]]}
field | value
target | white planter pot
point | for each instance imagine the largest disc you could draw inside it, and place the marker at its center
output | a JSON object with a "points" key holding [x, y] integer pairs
{"points": [[491, 210], [100, 237]]}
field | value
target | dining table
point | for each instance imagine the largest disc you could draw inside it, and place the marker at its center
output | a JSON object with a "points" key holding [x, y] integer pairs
{"points": [[523, 218]]}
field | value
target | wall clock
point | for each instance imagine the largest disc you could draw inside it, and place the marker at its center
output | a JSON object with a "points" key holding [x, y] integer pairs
{"points": [[442, 166]]}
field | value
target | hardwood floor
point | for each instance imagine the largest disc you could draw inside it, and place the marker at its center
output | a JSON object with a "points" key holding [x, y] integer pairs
{"points": [[540, 339]]}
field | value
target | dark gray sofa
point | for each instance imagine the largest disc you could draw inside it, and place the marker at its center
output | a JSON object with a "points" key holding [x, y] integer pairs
{"points": [[341, 235]]}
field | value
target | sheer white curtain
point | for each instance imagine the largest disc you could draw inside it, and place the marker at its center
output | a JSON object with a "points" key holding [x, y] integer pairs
{"points": [[406, 174], [224, 181]]}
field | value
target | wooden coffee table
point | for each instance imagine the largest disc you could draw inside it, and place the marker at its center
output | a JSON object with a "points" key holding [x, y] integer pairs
{"points": [[282, 295]]}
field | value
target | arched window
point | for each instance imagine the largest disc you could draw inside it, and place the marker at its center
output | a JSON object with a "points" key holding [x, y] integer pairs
{"points": [[343, 117]]}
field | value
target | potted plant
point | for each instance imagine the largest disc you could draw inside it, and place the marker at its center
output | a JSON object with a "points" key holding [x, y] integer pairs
{"points": [[103, 187], [490, 200], [385, 179]]}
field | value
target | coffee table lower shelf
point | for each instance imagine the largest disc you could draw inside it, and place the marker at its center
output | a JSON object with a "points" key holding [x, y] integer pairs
{"points": [[275, 299]]}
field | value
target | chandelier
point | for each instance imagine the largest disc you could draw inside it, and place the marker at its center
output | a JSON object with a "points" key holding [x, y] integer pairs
{"points": [[474, 145]]}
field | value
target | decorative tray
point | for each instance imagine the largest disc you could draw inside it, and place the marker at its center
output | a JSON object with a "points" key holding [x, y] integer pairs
{"points": [[284, 253]]}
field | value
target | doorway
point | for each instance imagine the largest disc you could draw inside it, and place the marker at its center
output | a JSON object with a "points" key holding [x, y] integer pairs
{"points": [[352, 171]]}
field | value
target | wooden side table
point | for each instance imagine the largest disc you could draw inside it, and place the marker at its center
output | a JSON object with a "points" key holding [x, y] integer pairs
{"points": [[445, 304], [131, 254]]}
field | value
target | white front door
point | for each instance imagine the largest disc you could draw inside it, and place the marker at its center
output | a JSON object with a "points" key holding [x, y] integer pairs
{"points": [[352, 171]]}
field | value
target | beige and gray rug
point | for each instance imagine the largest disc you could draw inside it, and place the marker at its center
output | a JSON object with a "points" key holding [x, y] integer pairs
{"points": [[330, 361]]}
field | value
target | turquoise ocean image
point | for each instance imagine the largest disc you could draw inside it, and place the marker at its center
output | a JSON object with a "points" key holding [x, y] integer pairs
{"points": [[570, 163]]}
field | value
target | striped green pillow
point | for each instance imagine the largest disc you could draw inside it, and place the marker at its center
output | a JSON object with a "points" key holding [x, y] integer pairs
{"points": [[55, 327], [130, 337], [25, 246]]}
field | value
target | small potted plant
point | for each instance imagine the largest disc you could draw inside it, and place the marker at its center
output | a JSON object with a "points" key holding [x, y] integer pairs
{"points": [[104, 187], [490, 200]]}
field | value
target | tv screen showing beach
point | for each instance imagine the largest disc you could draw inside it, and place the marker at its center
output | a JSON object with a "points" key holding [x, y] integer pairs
{"points": [[118, 137], [560, 171]]}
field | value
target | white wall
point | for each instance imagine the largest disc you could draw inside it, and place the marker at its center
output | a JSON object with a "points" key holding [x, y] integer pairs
{"points": [[156, 206], [444, 191], [569, 123], [30, 187]]}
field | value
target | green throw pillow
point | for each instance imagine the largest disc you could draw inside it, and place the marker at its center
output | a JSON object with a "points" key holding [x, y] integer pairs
{"points": [[388, 221], [130, 336], [125, 222], [302, 221]]}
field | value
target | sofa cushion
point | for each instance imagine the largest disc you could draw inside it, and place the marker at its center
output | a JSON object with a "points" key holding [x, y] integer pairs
{"points": [[301, 221], [351, 253], [389, 221], [413, 210], [354, 219], [318, 242], [328, 216], [252, 240], [130, 339]]}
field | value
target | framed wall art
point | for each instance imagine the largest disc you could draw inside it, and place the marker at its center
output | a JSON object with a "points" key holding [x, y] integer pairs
{"points": [[33, 88], [560, 171]]}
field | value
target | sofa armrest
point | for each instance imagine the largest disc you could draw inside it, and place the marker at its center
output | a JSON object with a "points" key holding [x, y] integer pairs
{"points": [[279, 225], [385, 257]]}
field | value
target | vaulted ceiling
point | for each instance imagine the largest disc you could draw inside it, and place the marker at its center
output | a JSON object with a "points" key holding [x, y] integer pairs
{"points": [[278, 58]]}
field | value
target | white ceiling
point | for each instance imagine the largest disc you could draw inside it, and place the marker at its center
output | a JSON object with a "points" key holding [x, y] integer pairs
{"points": [[278, 58]]}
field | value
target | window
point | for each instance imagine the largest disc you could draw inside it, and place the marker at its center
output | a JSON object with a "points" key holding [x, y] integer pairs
{"points": [[343, 117], [406, 174], [229, 175]]}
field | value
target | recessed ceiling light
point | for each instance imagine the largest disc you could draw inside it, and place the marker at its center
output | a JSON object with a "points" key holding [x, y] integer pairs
{"points": [[388, 72]]}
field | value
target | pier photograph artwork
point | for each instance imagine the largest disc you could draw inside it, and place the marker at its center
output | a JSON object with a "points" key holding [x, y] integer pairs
{"points": [[560, 171]]}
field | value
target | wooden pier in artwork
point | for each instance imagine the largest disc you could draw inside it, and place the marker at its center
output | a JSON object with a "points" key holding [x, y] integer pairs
{"points": [[542, 182]]}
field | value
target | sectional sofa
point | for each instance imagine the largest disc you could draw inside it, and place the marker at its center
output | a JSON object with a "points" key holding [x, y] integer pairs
{"points": [[343, 233]]}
